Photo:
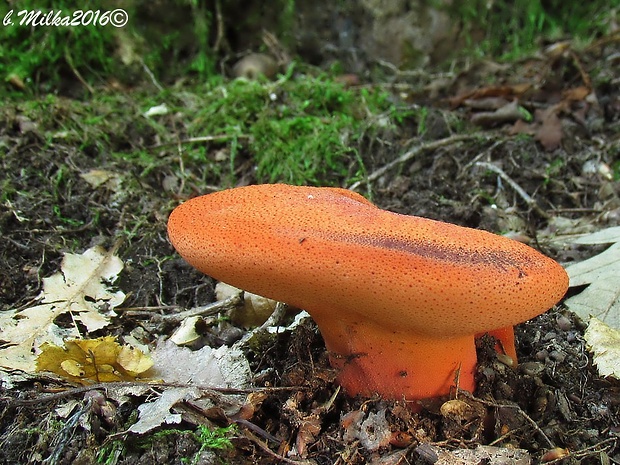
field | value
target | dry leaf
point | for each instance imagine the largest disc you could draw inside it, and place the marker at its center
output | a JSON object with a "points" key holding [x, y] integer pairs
{"points": [[549, 132], [134, 361], [373, 432], [508, 91], [93, 360], [223, 367], [604, 342], [509, 113], [604, 236], [16, 81], [255, 311], [157, 110], [482, 454], [599, 303], [156, 413], [81, 288], [576, 94], [186, 333], [601, 299], [102, 178]]}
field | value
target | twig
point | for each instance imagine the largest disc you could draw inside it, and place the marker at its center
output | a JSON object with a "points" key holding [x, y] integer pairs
{"points": [[578, 210], [519, 409], [70, 392], [258, 430], [415, 72], [248, 434], [192, 140], [518, 189], [415, 151], [276, 317], [590, 450], [585, 77], [148, 71], [125, 384], [206, 310], [273, 320], [78, 75], [275, 48], [505, 435], [146, 310], [477, 158], [220, 27]]}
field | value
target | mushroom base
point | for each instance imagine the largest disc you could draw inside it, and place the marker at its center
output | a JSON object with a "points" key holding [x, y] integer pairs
{"points": [[398, 364], [505, 342]]}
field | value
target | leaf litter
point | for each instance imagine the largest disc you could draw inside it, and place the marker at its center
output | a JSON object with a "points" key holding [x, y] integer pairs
{"points": [[82, 289], [599, 303]]}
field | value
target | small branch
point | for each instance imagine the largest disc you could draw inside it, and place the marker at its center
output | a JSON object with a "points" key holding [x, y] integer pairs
{"points": [[220, 27], [275, 48], [148, 71], [550, 444], [273, 320], [38, 401], [518, 189], [248, 434], [416, 151], [207, 310], [78, 75], [192, 140], [258, 430]]}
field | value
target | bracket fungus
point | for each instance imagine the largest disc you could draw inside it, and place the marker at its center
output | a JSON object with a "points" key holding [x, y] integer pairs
{"points": [[398, 299]]}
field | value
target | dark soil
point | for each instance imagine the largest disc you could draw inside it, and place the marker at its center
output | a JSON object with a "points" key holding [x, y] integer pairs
{"points": [[553, 404]]}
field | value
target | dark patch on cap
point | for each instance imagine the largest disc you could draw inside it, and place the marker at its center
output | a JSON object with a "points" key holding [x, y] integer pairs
{"points": [[503, 260]]}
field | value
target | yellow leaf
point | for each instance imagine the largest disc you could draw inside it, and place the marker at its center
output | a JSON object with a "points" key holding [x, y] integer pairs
{"points": [[73, 368], [99, 360], [134, 361], [102, 351]]}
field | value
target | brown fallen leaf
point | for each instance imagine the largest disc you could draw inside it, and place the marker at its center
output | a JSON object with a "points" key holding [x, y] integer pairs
{"points": [[508, 91], [549, 133], [546, 128], [507, 114], [576, 94], [16, 81], [486, 104]]}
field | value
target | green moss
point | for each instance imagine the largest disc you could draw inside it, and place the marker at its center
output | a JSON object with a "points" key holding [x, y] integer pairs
{"points": [[302, 149], [51, 58], [206, 438], [512, 29], [44, 53], [553, 169], [300, 131]]}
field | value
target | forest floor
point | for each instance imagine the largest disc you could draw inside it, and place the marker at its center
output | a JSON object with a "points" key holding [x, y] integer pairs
{"points": [[530, 148]]}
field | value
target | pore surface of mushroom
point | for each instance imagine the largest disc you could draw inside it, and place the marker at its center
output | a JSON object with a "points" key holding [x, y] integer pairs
{"points": [[398, 299]]}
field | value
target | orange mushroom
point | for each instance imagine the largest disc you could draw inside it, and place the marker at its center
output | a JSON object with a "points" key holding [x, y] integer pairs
{"points": [[398, 299]]}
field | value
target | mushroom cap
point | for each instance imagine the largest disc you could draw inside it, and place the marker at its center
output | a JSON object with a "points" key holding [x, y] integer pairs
{"points": [[335, 254]]}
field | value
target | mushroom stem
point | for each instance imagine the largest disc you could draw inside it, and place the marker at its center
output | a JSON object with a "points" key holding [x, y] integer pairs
{"points": [[506, 341], [398, 364]]}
